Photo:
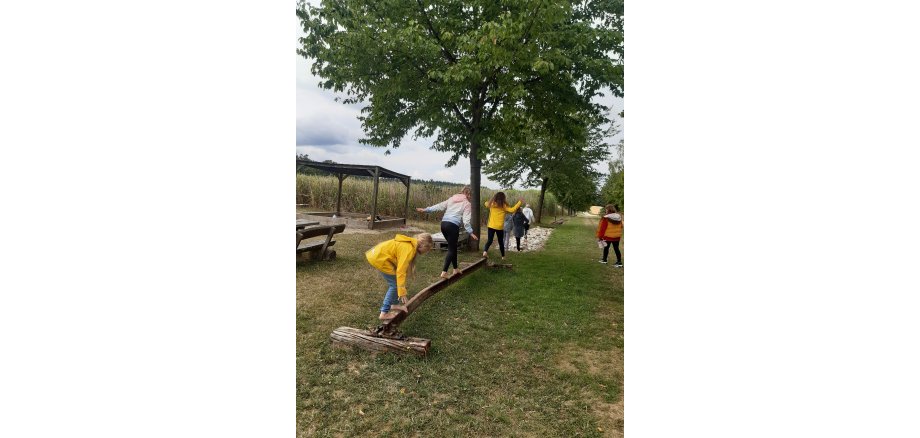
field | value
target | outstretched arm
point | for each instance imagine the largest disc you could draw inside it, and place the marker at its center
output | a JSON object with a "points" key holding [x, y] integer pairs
{"points": [[436, 207]]}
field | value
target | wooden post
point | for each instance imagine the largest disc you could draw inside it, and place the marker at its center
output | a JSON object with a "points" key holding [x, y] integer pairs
{"points": [[322, 252], [406, 209], [338, 197], [376, 174]]}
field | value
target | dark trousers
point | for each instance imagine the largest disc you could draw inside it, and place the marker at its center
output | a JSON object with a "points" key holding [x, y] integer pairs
{"points": [[451, 233], [501, 240], [518, 241], [526, 229], [616, 250]]}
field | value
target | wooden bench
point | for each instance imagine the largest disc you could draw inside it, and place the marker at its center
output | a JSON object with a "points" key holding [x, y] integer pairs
{"points": [[441, 243], [318, 249]]}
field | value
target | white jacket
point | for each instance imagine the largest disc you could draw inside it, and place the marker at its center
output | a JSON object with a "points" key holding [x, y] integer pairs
{"points": [[528, 213], [457, 211]]}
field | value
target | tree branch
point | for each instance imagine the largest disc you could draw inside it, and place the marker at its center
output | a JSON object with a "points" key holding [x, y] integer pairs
{"points": [[450, 56]]}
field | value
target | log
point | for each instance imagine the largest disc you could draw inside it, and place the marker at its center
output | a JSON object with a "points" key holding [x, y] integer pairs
{"points": [[386, 338], [427, 292], [344, 337]]}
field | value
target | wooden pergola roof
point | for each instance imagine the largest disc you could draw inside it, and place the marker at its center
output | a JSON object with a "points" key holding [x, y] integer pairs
{"points": [[341, 171], [354, 169]]}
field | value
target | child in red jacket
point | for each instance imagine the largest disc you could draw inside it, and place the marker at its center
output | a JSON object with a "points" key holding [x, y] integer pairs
{"points": [[609, 232]]}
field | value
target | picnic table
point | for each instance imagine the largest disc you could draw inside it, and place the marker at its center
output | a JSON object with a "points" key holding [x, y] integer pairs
{"points": [[303, 223], [319, 248]]}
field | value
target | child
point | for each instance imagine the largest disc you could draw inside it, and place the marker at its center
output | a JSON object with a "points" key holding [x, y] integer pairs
{"points": [[458, 211], [497, 209], [528, 213], [395, 259], [520, 227], [609, 232]]}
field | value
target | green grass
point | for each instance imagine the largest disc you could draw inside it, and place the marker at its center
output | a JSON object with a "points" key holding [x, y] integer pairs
{"points": [[533, 351]]}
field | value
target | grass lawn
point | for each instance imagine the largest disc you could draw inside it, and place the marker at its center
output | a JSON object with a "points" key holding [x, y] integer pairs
{"points": [[534, 351]]}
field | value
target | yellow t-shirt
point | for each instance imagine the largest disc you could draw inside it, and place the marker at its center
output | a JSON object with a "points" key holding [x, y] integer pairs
{"points": [[497, 215]]}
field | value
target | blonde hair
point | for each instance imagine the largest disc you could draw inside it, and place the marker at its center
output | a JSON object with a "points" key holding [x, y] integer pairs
{"points": [[466, 190], [424, 242]]}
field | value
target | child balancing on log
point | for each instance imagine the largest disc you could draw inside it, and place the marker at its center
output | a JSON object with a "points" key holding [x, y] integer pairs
{"points": [[498, 207], [395, 259]]}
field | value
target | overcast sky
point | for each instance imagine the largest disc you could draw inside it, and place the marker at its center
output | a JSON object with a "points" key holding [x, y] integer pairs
{"points": [[329, 130]]}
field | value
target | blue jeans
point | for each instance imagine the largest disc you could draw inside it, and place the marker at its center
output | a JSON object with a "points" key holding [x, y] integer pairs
{"points": [[390, 297]]}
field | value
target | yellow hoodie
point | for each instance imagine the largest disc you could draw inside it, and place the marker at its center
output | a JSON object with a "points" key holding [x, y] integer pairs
{"points": [[393, 257], [497, 214]]}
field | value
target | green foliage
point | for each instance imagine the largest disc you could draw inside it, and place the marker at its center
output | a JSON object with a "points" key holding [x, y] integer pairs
{"points": [[558, 156], [613, 191], [464, 71]]}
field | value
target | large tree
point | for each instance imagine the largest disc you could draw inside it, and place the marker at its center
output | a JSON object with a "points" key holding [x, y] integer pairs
{"points": [[456, 69], [560, 153]]}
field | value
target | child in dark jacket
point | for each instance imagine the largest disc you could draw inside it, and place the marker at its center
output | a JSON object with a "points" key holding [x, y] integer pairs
{"points": [[520, 226]]}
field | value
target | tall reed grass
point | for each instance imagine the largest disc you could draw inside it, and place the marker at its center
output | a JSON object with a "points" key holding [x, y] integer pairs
{"points": [[318, 192]]}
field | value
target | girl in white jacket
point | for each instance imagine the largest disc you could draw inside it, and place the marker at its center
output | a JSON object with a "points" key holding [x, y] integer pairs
{"points": [[457, 211]]}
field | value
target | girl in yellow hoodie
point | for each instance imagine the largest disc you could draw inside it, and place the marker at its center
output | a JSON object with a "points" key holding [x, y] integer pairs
{"points": [[395, 259], [497, 210]]}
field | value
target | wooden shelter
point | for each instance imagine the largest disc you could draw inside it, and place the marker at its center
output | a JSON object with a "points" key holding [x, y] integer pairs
{"points": [[342, 171]]}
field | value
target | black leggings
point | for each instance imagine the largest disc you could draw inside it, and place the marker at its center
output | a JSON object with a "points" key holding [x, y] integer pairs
{"points": [[451, 233], [501, 240], [616, 250], [517, 240]]}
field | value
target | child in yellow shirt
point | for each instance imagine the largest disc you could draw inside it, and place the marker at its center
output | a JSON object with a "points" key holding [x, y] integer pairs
{"points": [[395, 259], [497, 210]]}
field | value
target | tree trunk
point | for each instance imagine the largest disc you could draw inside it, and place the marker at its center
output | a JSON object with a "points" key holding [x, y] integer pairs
{"points": [[475, 165], [542, 195]]}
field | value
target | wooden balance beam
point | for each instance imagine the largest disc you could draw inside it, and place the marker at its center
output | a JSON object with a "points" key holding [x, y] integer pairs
{"points": [[386, 338]]}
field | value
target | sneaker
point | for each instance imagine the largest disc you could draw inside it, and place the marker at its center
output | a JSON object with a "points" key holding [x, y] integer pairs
{"points": [[617, 265], [603, 261], [485, 254]]}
